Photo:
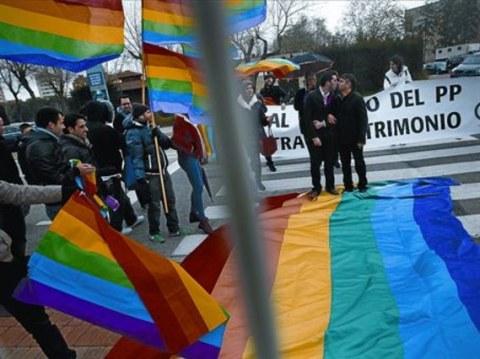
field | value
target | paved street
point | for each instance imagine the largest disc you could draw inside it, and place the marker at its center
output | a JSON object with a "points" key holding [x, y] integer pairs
{"points": [[456, 158]]}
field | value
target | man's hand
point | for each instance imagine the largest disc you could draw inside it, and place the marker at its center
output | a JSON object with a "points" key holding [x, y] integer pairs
{"points": [[269, 119], [331, 119], [360, 145], [85, 168], [317, 142], [318, 124], [282, 106], [203, 161]]}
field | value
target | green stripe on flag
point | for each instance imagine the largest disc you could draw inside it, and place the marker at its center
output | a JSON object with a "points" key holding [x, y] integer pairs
{"points": [[65, 252], [364, 314]]}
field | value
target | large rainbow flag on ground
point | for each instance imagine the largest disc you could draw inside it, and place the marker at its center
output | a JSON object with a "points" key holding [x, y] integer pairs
{"points": [[171, 21], [71, 34], [390, 273], [174, 83], [83, 267]]}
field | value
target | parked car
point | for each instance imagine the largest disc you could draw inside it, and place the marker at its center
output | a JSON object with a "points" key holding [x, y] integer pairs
{"points": [[469, 67], [436, 67], [12, 133]]}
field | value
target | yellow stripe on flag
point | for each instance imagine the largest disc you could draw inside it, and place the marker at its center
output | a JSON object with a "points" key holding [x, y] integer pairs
{"points": [[61, 27], [301, 291]]}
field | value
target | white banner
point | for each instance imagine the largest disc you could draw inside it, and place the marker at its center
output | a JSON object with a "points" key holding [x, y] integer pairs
{"points": [[411, 113]]}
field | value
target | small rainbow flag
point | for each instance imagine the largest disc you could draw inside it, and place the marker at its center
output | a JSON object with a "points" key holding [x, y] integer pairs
{"points": [[71, 34], [390, 273], [174, 83], [171, 21], [85, 268]]}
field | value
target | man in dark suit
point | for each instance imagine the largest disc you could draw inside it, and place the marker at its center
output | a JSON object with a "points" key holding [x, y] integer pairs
{"points": [[351, 123], [319, 132]]}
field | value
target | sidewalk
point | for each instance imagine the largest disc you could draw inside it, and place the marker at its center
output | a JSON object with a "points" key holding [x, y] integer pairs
{"points": [[90, 342]]}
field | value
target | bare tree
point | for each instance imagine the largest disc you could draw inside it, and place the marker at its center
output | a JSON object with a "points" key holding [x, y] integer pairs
{"points": [[133, 28], [58, 80], [373, 19], [10, 81], [23, 73], [282, 13], [257, 41]]}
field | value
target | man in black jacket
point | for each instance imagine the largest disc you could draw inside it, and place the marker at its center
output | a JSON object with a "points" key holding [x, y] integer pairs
{"points": [[352, 122], [319, 133], [44, 154], [299, 101]]}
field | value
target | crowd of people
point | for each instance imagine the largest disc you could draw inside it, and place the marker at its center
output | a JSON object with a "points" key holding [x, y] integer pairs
{"points": [[59, 149]]}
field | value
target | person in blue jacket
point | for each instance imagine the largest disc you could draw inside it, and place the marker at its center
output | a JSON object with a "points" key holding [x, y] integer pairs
{"points": [[140, 146]]}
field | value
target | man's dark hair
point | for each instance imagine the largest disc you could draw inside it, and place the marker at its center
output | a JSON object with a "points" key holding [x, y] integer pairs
{"points": [[309, 74], [397, 60], [350, 78], [327, 76], [96, 111], [124, 96], [24, 126], [71, 120], [46, 115], [3, 115]]}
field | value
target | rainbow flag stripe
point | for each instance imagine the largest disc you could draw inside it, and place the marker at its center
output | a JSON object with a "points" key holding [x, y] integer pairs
{"points": [[171, 21], [85, 268], [174, 82], [71, 34], [390, 273]]}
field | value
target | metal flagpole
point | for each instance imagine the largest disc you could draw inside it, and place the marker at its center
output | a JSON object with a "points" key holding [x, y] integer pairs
{"points": [[228, 125]]}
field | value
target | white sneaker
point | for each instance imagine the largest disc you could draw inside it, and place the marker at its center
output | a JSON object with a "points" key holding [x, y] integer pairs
{"points": [[139, 221], [126, 230]]}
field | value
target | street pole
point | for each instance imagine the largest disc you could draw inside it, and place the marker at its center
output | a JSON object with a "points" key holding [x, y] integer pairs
{"points": [[249, 248]]}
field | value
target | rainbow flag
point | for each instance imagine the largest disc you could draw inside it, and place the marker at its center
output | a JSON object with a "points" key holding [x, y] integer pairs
{"points": [[71, 34], [85, 268], [171, 21], [390, 273], [174, 83]]}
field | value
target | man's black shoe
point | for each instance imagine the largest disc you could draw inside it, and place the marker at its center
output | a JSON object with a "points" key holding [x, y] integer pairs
{"points": [[271, 166], [333, 191], [348, 189], [362, 189], [193, 217]]}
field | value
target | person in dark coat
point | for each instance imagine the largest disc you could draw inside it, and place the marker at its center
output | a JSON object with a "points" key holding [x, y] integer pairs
{"points": [[107, 144], [123, 111], [272, 95], [319, 132], [352, 123], [299, 101]]}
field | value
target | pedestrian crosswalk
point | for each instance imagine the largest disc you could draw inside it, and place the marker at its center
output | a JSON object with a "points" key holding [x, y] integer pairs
{"points": [[458, 159]]}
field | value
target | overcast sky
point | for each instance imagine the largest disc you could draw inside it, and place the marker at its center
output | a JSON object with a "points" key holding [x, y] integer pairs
{"points": [[332, 10]]}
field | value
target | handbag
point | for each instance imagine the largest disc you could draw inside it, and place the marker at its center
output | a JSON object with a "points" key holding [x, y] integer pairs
{"points": [[268, 144]]}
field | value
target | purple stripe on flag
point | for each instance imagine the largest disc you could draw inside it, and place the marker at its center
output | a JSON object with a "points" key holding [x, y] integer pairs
{"points": [[201, 350], [33, 292]]}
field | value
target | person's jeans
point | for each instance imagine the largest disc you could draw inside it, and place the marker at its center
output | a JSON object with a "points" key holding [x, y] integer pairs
{"points": [[346, 152], [193, 169], [154, 208]]}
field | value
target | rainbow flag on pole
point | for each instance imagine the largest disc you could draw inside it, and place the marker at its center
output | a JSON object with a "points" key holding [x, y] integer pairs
{"points": [[71, 34], [390, 273], [85, 268], [174, 82], [171, 21]]}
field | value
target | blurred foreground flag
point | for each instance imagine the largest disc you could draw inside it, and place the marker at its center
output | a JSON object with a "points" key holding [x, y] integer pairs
{"points": [[171, 21], [174, 83], [70, 34], [83, 267]]}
